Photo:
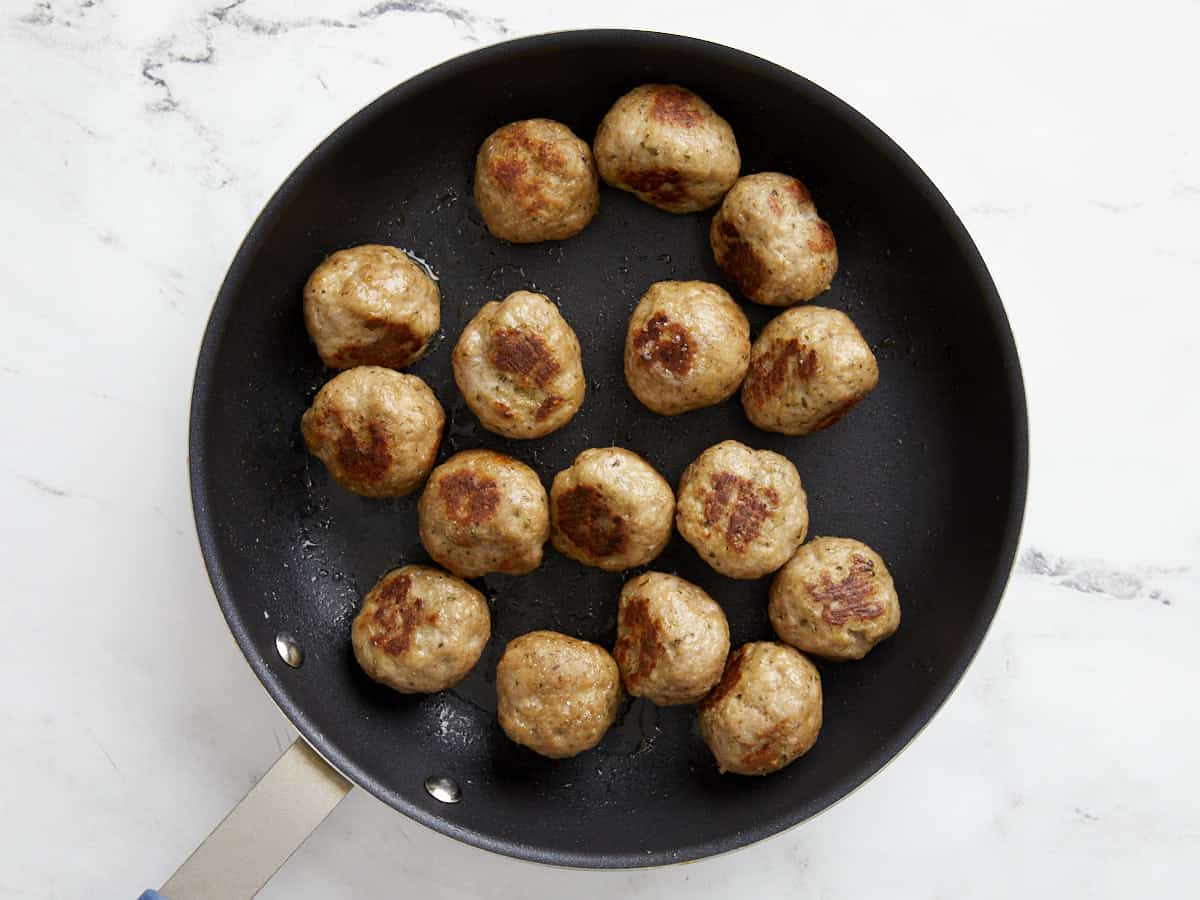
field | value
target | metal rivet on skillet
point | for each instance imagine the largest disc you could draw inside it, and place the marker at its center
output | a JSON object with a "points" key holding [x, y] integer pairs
{"points": [[443, 788], [289, 651]]}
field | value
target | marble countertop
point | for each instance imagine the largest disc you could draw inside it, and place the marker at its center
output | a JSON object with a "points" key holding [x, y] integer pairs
{"points": [[143, 137]]}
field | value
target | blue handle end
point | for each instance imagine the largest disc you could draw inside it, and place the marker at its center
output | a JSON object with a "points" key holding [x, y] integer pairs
{"points": [[151, 895]]}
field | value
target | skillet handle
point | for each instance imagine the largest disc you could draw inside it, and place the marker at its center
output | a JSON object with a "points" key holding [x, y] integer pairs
{"points": [[262, 831]]}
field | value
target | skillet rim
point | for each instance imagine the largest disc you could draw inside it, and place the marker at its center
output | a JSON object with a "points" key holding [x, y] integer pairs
{"points": [[627, 40]]}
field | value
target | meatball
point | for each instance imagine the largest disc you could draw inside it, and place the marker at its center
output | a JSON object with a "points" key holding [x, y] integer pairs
{"points": [[535, 181], [765, 712], [743, 510], [420, 630], [611, 510], [688, 346], [668, 147], [768, 238], [484, 512], [834, 599], [672, 639], [377, 431], [371, 306], [809, 366], [517, 364], [556, 694]]}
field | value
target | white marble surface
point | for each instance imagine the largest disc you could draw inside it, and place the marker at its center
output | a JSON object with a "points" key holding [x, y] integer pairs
{"points": [[141, 138]]}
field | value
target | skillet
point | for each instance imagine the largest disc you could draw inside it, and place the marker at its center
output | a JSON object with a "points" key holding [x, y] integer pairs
{"points": [[930, 470]]}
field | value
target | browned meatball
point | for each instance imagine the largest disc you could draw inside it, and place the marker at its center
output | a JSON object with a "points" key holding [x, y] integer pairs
{"points": [[535, 181], [834, 599], [768, 238], [377, 431], [371, 306], [668, 147], [765, 712], [556, 694], [518, 366], [687, 346], [611, 510], [744, 510], [808, 368], [672, 639], [484, 512], [420, 630]]}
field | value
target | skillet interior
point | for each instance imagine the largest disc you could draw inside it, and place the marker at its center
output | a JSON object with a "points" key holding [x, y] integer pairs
{"points": [[930, 470]]}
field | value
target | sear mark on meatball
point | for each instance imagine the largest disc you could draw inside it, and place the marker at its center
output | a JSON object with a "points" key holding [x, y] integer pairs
{"points": [[545, 153], [586, 519], [524, 355], [368, 460], [510, 167], [396, 617], [850, 598], [394, 341], [739, 260], [836, 413], [746, 505], [675, 106], [799, 192], [765, 754], [640, 643], [660, 184], [548, 156], [468, 498], [769, 371], [776, 204], [729, 679], [547, 406], [667, 343], [508, 172], [823, 242]]}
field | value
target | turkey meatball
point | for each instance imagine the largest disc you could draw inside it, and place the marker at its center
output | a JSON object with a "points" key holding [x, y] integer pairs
{"points": [[556, 695], [535, 181], [371, 306], [765, 712], [834, 599], [743, 510], [688, 346], [808, 368], [668, 147], [518, 366], [420, 630], [768, 238], [611, 510], [377, 431], [672, 639], [484, 512]]}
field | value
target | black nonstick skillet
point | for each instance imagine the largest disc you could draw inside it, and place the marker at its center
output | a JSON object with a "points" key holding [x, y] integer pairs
{"points": [[930, 470]]}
